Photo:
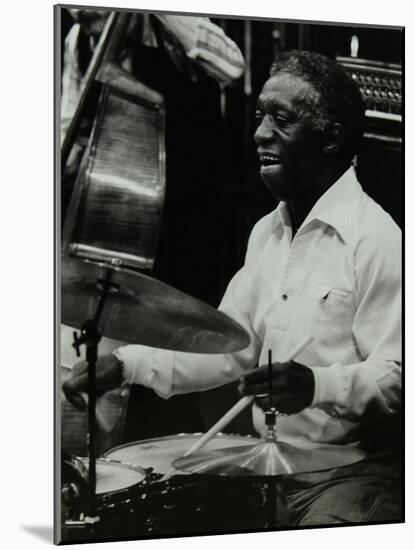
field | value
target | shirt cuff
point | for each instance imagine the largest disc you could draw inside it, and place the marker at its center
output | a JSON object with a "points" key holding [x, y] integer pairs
{"points": [[330, 388], [149, 367]]}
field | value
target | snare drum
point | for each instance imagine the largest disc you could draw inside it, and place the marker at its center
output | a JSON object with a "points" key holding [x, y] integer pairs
{"points": [[183, 505], [115, 478], [116, 483], [161, 452], [186, 504]]}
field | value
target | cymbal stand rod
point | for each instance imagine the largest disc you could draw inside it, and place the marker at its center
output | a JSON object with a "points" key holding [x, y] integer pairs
{"points": [[269, 379], [271, 498], [90, 336], [278, 516], [91, 357], [105, 285]]}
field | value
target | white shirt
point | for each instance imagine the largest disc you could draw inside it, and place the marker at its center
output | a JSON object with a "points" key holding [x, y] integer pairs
{"points": [[339, 281]]}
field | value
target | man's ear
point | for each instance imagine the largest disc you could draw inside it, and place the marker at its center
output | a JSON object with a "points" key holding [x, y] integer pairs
{"points": [[333, 138]]}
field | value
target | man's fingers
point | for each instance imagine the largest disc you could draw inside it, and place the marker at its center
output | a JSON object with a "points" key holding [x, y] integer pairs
{"points": [[77, 401], [256, 376], [252, 389], [278, 384], [79, 368], [260, 375], [278, 402], [72, 388], [108, 376]]}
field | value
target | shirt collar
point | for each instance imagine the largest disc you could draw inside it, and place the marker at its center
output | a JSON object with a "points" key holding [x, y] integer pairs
{"points": [[332, 208]]}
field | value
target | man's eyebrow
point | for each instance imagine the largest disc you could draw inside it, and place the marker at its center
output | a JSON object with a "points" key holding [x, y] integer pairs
{"points": [[273, 104]]}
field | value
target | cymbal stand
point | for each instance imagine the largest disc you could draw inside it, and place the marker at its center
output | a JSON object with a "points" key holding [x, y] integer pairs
{"points": [[90, 336], [277, 514]]}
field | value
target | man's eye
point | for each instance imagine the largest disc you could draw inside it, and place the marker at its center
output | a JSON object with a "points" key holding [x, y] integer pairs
{"points": [[276, 120], [280, 120]]}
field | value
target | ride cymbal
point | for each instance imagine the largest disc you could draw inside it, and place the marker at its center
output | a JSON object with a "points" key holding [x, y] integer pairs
{"points": [[141, 310]]}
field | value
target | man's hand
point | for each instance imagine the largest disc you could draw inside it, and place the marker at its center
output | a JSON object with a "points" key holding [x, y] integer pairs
{"points": [[108, 377], [292, 386]]}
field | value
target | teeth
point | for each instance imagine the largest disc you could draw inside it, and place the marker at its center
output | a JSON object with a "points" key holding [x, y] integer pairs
{"points": [[269, 158]]}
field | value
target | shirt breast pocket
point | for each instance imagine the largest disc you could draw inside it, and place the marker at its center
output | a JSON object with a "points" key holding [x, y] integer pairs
{"points": [[331, 313]]}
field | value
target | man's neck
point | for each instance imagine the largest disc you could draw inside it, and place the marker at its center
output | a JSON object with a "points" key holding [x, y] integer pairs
{"points": [[299, 209]]}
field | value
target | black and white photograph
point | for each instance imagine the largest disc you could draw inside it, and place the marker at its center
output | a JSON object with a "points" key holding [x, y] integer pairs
{"points": [[229, 214]]}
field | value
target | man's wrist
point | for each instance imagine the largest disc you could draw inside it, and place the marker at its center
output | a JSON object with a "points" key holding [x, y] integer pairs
{"points": [[120, 360], [330, 386]]}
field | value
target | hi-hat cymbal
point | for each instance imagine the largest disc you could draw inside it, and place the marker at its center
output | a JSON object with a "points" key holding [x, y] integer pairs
{"points": [[269, 458], [141, 310]]}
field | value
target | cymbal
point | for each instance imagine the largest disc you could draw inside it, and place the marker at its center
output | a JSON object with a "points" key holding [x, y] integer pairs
{"points": [[142, 310], [269, 458]]}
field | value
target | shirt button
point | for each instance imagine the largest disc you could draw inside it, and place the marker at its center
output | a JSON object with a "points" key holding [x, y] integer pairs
{"points": [[284, 297]]}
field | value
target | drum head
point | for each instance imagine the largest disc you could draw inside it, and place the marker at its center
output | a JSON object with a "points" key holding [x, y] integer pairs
{"points": [[159, 453], [115, 476]]}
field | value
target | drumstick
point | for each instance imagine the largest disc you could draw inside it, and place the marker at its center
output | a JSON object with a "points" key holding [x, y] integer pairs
{"points": [[240, 405], [230, 415], [220, 424], [235, 410]]}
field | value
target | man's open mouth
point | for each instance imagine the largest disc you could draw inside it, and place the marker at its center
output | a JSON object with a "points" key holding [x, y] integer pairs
{"points": [[269, 160]]}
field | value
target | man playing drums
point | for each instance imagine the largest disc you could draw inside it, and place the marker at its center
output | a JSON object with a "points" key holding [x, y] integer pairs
{"points": [[327, 264]]}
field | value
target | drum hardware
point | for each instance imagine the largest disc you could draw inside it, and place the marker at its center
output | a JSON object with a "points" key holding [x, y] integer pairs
{"points": [[137, 309], [269, 457], [74, 485], [134, 295], [90, 336], [183, 323], [116, 482], [184, 503], [243, 402]]}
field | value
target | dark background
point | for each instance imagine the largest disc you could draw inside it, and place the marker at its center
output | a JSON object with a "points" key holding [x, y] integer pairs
{"points": [[213, 202]]}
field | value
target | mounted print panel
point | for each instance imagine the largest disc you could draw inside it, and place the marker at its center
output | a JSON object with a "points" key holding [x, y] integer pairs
{"points": [[229, 279]]}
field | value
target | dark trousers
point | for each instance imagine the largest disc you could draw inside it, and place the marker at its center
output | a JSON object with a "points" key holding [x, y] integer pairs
{"points": [[368, 491]]}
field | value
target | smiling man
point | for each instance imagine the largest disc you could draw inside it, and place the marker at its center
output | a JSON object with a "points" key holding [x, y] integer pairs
{"points": [[325, 263]]}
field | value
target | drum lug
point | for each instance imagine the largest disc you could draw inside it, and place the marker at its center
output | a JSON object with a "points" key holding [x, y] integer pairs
{"points": [[87, 520], [150, 476]]}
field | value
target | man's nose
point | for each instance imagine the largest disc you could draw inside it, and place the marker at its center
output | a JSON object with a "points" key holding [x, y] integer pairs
{"points": [[265, 130]]}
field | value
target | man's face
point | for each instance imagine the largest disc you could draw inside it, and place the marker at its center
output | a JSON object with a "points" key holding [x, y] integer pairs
{"points": [[289, 147]]}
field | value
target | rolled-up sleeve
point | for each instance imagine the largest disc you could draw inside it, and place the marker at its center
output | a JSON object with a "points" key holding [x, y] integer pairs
{"points": [[170, 373]]}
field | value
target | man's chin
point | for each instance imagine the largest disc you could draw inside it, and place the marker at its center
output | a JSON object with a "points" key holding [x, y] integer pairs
{"points": [[271, 170], [276, 185]]}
